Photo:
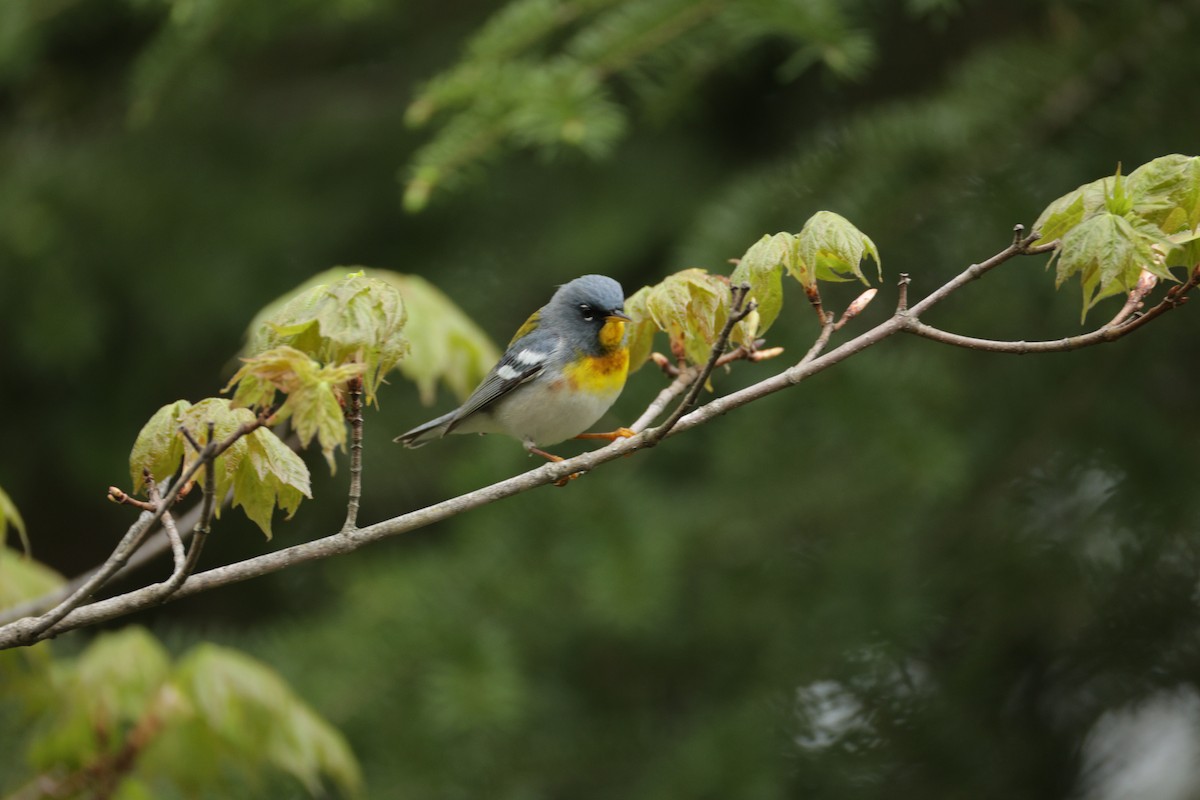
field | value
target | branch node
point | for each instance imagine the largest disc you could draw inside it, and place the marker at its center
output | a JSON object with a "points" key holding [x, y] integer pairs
{"points": [[902, 293], [1018, 234], [664, 363]]}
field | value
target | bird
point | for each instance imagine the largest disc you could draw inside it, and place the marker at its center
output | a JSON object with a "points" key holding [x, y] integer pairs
{"points": [[564, 368]]}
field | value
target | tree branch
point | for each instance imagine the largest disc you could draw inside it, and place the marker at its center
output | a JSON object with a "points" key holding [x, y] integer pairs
{"points": [[904, 320]]}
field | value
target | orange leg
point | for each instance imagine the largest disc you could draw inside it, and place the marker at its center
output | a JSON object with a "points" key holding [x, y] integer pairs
{"points": [[612, 436], [537, 451]]}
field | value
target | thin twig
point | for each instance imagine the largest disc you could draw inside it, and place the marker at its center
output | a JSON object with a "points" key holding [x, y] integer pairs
{"points": [[168, 523], [683, 379], [187, 435], [660, 403], [154, 546], [32, 629], [821, 341], [664, 363], [186, 564], [1119, 327], [1022, 246], [120, 497], [354, 415], [902, 293]]}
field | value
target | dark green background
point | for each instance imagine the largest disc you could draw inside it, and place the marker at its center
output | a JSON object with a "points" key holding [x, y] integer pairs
{"points": [[987, 552]]}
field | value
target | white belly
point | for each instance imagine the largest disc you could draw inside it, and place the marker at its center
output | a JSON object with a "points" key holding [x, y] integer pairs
{"points": [[523, 413]]}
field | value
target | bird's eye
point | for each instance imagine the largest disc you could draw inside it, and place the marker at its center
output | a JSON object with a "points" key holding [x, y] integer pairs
{"points": [[588, 312]]}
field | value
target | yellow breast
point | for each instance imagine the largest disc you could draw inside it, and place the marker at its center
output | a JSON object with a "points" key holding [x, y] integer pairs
{"points": [[603, 374]]}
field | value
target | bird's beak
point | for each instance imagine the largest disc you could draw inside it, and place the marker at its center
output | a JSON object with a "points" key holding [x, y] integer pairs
{"points": [[618, 314]]}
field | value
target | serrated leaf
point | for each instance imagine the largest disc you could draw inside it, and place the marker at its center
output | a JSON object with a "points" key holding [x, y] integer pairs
{"points": [[158, 447], [1107, 252], [1184, 251], [10, 516], [268, 474], [830, 248], [762, 268], [691, 307], [1071, 209], [250, 707], [313, 393], [1166, 192], [225, 420], [356, 319], [447, 345]]}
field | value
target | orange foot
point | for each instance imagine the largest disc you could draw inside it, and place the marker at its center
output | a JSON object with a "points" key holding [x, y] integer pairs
{"points": [[537, 451]]}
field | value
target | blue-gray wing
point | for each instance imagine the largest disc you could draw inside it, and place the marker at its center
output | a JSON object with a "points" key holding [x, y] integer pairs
{"points": [[518, 366]]}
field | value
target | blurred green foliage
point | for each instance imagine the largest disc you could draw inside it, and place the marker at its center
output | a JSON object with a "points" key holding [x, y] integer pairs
{"points": [[927, 573], [121, 720]]}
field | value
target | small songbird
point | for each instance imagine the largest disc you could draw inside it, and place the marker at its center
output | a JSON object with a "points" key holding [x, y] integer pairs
{"points": [[562, 370]]}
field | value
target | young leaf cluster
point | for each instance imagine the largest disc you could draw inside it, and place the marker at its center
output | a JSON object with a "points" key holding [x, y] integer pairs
{"points": [[352, 320], [691, 306], [1113, 229], [313, 393], [543, 73], [260, 470], [125, 716], [446, 345]]}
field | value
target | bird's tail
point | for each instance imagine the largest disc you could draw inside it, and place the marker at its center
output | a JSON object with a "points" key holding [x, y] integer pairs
{"points": [[424, 434]]}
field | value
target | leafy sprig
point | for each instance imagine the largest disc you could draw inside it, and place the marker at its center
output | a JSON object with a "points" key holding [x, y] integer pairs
{"points": [[691, 306], [260, 470], [1112, 230]]}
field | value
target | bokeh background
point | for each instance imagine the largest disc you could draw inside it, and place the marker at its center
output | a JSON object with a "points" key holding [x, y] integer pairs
{"points": [[925, 573]]}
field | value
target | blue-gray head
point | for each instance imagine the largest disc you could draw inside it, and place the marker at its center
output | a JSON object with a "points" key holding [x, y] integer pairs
{"points": [[590, 297], [586, 304]]}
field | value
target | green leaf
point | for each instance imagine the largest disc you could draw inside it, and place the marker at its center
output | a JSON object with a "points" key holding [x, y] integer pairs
{"points": [[640, 332], [225, 421], [762, 267], [1184, 250], [24, 579], [118, 675], [10, 516], [1166, 192], [447, 346], [356, 319], [260, 469], [314, 393], [830, 248], [158, 447], [691, 306], [1071, 209], [268, 473], [248, 705], [1108, 253], [94, 701]]}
